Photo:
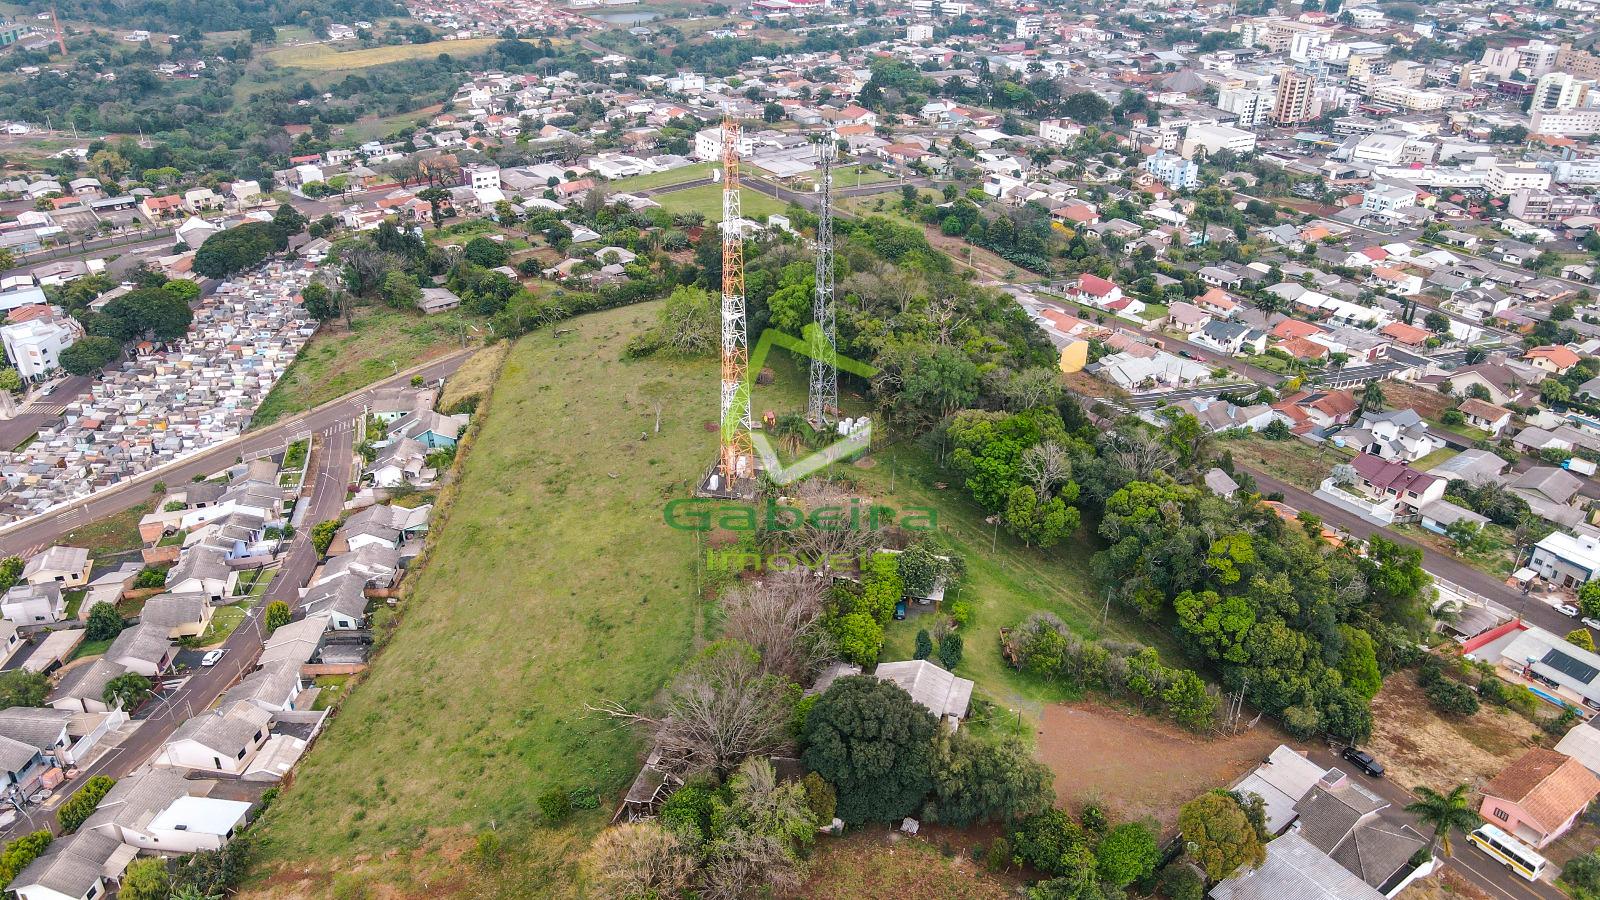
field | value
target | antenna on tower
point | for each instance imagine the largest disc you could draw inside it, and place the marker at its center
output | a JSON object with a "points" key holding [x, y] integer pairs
{"points": [[737, 459], [823, 399], [61, 39]]}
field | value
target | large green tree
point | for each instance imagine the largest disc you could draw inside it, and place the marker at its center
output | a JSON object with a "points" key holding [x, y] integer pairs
{"points": [[20, 687], [981, 780], [1222, 838], [875, 745]]}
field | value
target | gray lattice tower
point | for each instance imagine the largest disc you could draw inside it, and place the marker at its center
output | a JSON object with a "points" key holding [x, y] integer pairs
{"points": [[824, 394]]}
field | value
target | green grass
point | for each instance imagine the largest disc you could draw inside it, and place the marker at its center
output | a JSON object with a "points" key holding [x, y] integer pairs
{"points": [[75, 602], [90, 648], [553, 584], [324, 57], [707, 200], [254, 583], [224, 619], [338, 361], [1441, 455], [661, 179], [333, 691], [112, 534]]}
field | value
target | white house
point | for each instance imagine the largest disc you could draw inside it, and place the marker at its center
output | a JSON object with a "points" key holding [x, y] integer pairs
{"points": [[33, 604], [64, 566], [223, 740]]}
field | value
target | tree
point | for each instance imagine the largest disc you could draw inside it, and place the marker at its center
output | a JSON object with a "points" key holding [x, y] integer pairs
{"points": [[127, 690], [1589, 598], [10, 572], [950, 651], [1086, 107], [858, 637], [1188, 701], [277, 616], [286, 223], [320, 302], [1372, 397], [1127, 853], [1223, 838], [1054, 844], [20, 687], [105, 622], [924, 645], [77, 809], [399, 290], [10, 380], [979, 780], [772, 112], [20, 852], [720, 709], [481, 251], [1359, 664], [146, 879], [875, 745], [89, 354], [236, 249], [1445, 812], [1580, 637], [8, 260], [1581, 876], [322, 535], [1436, 322]]}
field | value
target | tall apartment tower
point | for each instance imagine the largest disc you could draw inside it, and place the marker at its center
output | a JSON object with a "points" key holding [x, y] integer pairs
{"points": [[1294, 99], [1561, 92]]}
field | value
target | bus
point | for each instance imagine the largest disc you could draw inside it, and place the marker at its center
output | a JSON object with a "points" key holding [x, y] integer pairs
{"points": [[1511, 853]]}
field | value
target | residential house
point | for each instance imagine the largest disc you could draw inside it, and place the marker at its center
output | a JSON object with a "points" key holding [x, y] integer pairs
{"points": [[1186, 317], [1386, 490], [1360, 831], [299, 642], [400, 462], [436, 300], [1217, 416], [1566, 560], [1233, 338], [1538, 797], [183, 615], [33, 604], [81, 866], [1476, 467], [82, 688], [144, 649], [1549, 491], [202, 569], [1504, 383], [64, 566], [1553, 359], [936, 690], [1399, 435], [1487, 416], [223, 740], [1281, 780], [1094, 290], [274, 687], [158, 810], [342, 600], [10, 640], [1294, 868]]}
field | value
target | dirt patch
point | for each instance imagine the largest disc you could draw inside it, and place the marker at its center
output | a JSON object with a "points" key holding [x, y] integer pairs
{"points": [[876, 862], [1098, 752], [1428, 402], [1421, 747], [1445, 884]]}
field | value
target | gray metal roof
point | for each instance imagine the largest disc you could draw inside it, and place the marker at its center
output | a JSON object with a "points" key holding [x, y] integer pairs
{"points": [[1295, 869]]}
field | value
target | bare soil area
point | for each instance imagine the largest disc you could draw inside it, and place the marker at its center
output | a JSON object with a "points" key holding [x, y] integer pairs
{"points": [[877, 862], [1445, 884], [1138, 766], [1420, 747]]}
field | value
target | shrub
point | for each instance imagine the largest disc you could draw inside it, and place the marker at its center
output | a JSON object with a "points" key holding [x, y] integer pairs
{"points": [[1451, 697], [555, 805], [1581, 877], [1052, 843], [820, 797], [950, 651], [105, 622], [690, 807], [1179, 882], [924, 645], [20, 852], [81, 805], [998, 859], [150, 577]]}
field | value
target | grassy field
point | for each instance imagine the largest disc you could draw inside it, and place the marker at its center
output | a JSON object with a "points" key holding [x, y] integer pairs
{"points": [[475, 377], [339, 360], [707, 200], [661, 179], [1293, 460], [325, 57], [112, 534], [552, 583]]}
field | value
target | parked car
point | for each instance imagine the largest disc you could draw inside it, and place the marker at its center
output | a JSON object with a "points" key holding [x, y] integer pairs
{"points": [[900, 610], [212, 657], [1364, 761], [1567, 609], [1592, 622]]}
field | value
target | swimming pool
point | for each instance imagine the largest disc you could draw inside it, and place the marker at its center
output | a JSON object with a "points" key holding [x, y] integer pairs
{"points": [[1550, 697]]}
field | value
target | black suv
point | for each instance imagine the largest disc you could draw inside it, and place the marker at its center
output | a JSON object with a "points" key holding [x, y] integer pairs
{"points": [[1364, 761]]}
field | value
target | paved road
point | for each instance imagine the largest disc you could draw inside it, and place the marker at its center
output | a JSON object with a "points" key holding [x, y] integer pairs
{"points": [[33, 534], [1473, 864], [1449, 568], [333, 467]]}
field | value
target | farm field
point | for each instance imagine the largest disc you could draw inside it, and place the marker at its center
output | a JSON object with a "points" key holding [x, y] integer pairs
{"points": [[552, 582], [339, 360]]}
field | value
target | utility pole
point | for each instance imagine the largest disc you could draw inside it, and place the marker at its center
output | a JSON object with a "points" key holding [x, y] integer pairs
{"points": [[737, 459]]}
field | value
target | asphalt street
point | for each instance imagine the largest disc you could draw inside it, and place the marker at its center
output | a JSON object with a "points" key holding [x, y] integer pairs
{"points": [[334, 425]]}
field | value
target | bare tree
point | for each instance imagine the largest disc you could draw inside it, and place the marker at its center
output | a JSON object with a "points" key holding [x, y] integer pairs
{"points": [[743, 863], [721, 709], [640, 860], [1034, 388], [812, 543], [1137, 453], [1046, 466], [781, 618]]}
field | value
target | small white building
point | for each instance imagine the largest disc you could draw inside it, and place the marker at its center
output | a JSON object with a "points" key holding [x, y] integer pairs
{"points": [[35, 345]]}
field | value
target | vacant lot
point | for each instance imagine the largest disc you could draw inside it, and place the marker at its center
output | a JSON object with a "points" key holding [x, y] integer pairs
{"points": [[475, 377], [707, 201], [1444, 884], [876, 863], [1428, 402], [339, 360], [325, 57], [112, 534], [1138, 766], [552, 583], [1293, 460], [1420, 747]]}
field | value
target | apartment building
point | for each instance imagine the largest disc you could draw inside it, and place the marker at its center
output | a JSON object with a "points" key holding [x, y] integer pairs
{"points": [[1293, 101]]}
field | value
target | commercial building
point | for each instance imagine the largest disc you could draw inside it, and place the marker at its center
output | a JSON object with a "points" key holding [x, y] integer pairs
{"points": [[1213, 138], [34, 346], [1572, 123], [1253, 107], [1560, 91], [1174, 171], [1293, 102]]}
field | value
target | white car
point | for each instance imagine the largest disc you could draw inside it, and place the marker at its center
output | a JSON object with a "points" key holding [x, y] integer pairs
{"points": [[212, 657], [1567, 609], [1592, 622]]}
